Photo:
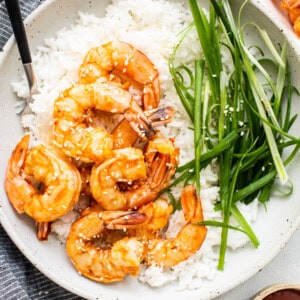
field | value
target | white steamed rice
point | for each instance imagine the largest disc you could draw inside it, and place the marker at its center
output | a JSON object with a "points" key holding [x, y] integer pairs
{"points": [[153, 27]]}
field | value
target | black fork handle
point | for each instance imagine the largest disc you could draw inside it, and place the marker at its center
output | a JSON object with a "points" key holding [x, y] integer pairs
{"points": [[15, 17]]}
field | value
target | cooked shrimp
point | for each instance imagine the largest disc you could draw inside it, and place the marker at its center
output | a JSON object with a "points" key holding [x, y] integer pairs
{"points": [[170, 252], [126, 165], [125, 136], [76, 137], [158, 213], [120, 61], [105, 265], [293, 9], [41, 181], [145, 178]]}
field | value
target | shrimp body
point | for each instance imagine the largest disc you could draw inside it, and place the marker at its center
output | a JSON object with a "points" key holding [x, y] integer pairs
{"points": [[105, 265], [41, 182], [120, 61], [125, 136], [126, 165], [170, 252], [145, 177], [293, 9], [72, 131], [158, 213]]}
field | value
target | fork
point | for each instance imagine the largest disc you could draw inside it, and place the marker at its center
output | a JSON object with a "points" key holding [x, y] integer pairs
{"points": [[18, 27]]}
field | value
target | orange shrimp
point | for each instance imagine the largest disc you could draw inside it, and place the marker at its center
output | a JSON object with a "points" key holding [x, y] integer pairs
{"points": [[170, 252], [42, 182], [121, 61], [108, 264], [125, 136], [76, 137], [158, 213], [144, 178]]}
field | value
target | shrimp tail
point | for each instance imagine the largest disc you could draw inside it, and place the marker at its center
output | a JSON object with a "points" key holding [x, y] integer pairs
{"points": [[140, 123], [192, 210], [162, 163], [160, 170], [159, 173], [43, 229], [160, 116], [121, 219], [124, 135], [162, 158]]}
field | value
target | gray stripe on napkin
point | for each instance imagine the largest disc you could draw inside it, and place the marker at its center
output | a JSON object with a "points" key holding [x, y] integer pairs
{"points": [[19, 279], [27, 6]]}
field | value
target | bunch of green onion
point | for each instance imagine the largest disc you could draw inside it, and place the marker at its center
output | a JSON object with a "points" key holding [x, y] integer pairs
{"points": [[243, 121]]}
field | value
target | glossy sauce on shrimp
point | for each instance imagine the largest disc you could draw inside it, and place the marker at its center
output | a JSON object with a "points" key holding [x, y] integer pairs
{"points": [[121, 62], [76, 137], [169, 252], [41, 181], [145, 175], [123, 182], [111, 264]]}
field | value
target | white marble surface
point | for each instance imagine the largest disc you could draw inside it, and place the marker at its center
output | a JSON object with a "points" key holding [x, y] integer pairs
{"points": [[284, 268]]}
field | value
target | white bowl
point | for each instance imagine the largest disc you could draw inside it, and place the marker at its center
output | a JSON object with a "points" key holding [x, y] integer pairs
{"points": [[273, 227]]}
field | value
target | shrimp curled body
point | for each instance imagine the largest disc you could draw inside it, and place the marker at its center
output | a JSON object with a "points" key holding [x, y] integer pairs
{"points": [[170, 252], [72, 131], [105, 265], [126, 165], [42, 166], [145, 177], [120, 61]]}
